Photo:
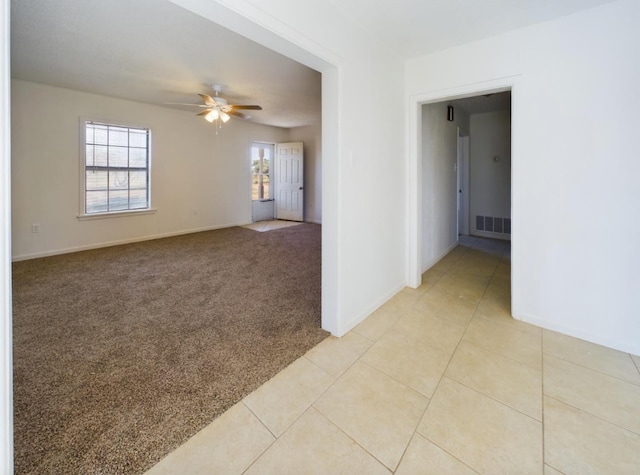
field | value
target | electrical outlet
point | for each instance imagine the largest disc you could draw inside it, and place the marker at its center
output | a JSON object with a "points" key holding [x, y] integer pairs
{"points": [[35, 228]]}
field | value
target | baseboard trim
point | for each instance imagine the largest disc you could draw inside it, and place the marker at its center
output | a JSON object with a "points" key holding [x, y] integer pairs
{"points": [[360, 317], [632, 347], [440, 257], [68, 250]]}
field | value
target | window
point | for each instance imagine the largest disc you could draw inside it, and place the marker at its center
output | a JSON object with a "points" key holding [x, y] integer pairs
{"points": [[260, 171], [116, 168]]}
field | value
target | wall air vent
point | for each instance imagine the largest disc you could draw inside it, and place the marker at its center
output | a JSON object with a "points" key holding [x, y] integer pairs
{"points": [[491, 224]]}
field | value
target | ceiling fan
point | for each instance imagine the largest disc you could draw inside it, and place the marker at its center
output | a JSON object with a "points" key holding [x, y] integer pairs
{"points": [[217, 108]]}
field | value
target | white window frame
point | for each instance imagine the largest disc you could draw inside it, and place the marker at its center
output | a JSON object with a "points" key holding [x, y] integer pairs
{"points": [[83, 215]]}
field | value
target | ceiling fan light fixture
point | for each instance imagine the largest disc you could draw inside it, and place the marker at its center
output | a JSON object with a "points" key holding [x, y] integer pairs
{"points": [[213, 115], [217, 110]]}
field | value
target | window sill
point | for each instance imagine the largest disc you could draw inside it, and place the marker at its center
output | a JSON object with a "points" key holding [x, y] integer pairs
{"points": [[116, 214]]}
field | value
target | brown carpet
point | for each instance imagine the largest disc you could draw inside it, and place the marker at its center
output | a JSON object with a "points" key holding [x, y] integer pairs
{"points": [[121, 354]]}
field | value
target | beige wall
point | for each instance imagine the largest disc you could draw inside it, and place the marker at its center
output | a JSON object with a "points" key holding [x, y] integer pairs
{"points": [[199, 180]]}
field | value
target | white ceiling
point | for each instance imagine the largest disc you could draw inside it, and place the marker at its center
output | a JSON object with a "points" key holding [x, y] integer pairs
{"points": [[417, 27], [156, 52]]}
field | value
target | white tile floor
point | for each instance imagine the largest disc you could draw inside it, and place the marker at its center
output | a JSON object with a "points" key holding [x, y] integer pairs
{"points": [[439, 380]]}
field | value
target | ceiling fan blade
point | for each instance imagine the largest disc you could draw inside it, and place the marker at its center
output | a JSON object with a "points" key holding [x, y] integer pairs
{"points": [[239, 114], [184, 104], [204, 112], [253, 108], [208, 100]]}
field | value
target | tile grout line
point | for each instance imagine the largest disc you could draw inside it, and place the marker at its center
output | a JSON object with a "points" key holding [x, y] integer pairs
{"points": [[312, 406], [277, 437], [555, 468], [494, 399], [474, 316], [589, 368], [496, 353], [419, 419], [358, 359], [392, 470], [600, 418], [364, 449], [399, 316], [415, 431]]}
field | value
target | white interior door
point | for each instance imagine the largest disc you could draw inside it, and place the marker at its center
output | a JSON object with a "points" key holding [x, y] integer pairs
{"points": [[289, 181]]}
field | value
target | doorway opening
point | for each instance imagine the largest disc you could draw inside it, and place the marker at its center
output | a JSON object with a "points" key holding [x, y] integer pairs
{"points": [[277, 181], [463, 190], [484, 165]]}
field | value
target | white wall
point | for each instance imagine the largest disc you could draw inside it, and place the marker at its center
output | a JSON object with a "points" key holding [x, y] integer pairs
{"points": [[6, 364], [311, 136], [262, 210], [575, 255], [439, 178], [363, 160], [199, 180], [490, 180]]}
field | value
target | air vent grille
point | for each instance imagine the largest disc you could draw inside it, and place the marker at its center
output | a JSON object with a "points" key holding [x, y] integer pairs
{"points": [[492, 224]]}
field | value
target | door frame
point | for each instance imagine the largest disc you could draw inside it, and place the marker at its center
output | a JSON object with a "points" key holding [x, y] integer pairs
{"points": [[463, 191]]}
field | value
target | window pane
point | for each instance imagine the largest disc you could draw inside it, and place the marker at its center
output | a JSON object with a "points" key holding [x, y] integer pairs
{"points": [[100, 134], [255, 187], [118, 200], [138, 199], [100, 156], [96, 180], [96, 202], [118, 136], [89, 134], [261, 156], [88, 155], [138, 138], [138, 180], [137, 157], [118, 157], [118, 180]]}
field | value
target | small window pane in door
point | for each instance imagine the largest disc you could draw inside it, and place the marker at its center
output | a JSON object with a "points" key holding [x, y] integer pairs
{"points": [[260, 173]]}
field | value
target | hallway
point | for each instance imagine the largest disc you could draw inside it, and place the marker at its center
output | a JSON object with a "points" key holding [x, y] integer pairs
{"points": [[440, 379]]}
